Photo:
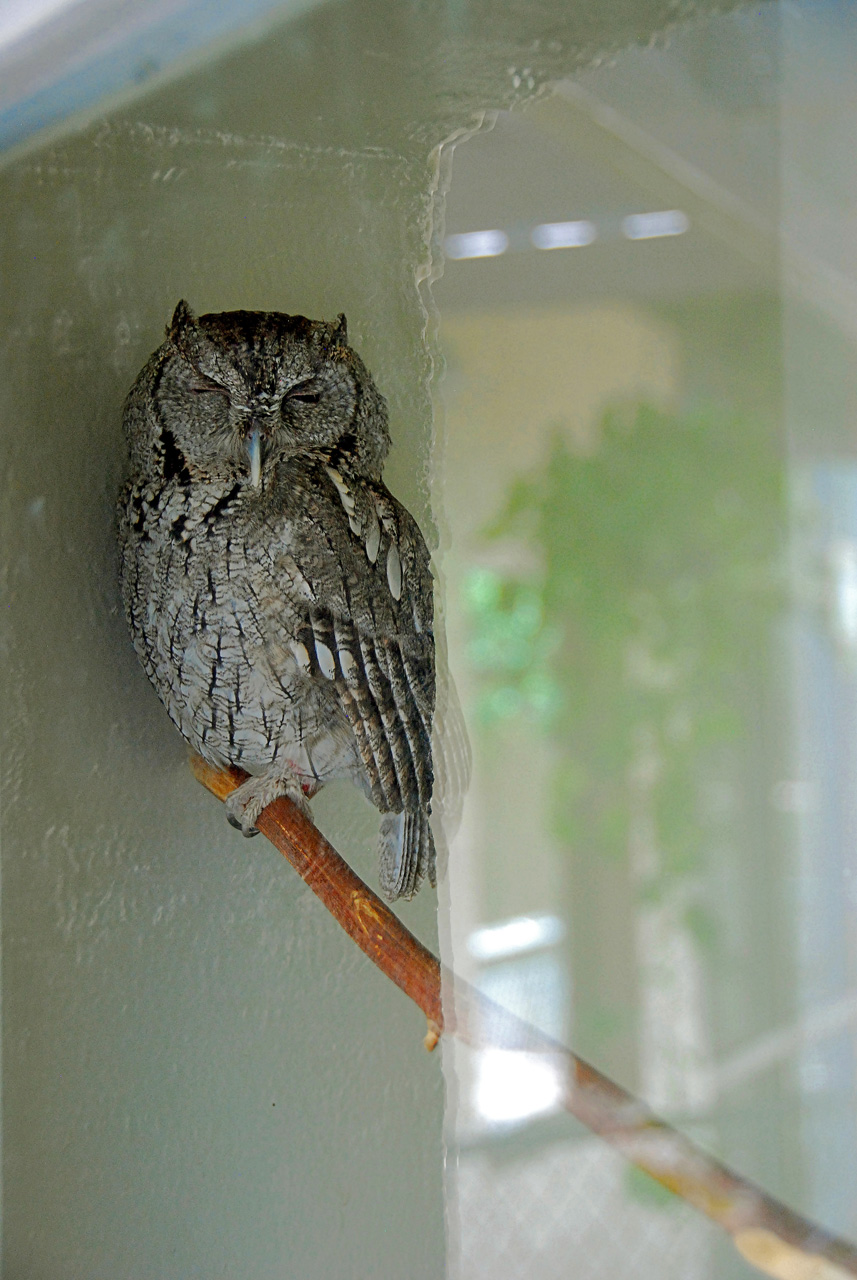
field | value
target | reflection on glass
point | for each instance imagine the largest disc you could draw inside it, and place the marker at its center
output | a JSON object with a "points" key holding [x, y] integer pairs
{"points": [[515, 1085], [476, 244], [653, 611], [563, 235], [512, 937], [650, 226]]}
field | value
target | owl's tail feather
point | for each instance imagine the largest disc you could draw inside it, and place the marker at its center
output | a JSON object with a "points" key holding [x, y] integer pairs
{"points": [[407, 853]]}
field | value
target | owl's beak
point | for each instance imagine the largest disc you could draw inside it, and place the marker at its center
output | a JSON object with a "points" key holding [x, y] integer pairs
{"points": [[254, 450]]}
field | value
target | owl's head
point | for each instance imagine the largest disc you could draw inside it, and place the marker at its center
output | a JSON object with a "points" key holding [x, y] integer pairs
{"points": [[240, 391]]}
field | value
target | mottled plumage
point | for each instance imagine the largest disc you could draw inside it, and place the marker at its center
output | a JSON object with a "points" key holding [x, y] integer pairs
{"points": [[279, 597]]}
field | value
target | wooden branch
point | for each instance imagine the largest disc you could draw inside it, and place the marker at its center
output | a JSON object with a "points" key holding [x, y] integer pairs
{"points": [[774, 1239]]}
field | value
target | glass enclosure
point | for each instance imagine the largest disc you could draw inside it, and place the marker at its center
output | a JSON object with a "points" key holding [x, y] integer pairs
{"points": [[600, 261]]}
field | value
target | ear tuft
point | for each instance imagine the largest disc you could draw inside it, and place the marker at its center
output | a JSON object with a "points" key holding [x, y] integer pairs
{"points": [[339, 330], [182, 322]]}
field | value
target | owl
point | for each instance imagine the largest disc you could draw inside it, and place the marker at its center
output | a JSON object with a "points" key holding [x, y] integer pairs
{"points": [[278, 596]]}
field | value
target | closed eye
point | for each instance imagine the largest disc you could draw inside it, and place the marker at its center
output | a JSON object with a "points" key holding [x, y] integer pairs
{"points": [[210, 391], [302, 393]]}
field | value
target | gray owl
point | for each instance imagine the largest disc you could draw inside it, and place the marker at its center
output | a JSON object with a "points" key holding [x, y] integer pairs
{"points": [[279, 597]]}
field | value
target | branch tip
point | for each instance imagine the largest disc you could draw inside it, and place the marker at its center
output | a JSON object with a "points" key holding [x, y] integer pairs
{"points": [[432, 1035]]}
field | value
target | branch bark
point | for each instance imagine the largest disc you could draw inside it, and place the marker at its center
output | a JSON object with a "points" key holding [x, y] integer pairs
{"points": [[770, 1236]]}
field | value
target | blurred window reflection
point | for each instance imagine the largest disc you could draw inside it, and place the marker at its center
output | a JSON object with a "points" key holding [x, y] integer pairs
{"points": [[511, 937], [652, 597], [513, 1085]]}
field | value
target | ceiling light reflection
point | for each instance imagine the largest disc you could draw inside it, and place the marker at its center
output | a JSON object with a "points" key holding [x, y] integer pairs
{"points": [[563, 235], [476, 244], [648, 226]]}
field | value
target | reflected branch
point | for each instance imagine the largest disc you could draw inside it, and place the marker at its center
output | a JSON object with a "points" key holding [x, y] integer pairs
{"points": [[770, 1236]]}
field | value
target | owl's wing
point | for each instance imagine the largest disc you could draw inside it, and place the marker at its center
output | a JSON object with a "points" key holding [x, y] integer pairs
{"points": [[357, 569]]}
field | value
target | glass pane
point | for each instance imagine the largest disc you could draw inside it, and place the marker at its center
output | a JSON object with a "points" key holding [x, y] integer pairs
{"points": [[648, 480]]}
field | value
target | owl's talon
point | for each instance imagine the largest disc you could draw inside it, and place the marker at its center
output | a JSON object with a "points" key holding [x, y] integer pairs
{"points": [[239, 825], [243, 808]]}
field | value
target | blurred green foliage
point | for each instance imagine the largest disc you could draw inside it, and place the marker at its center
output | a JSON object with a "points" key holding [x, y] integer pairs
{"points": [[639, 638], [645, 1190]]}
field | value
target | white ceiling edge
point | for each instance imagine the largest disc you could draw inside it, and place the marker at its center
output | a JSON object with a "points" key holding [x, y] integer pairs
{"points": [[63, 61], [20, 17]]}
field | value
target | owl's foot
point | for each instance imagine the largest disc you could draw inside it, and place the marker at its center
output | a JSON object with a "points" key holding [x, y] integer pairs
{"points": [[246, 802]]}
